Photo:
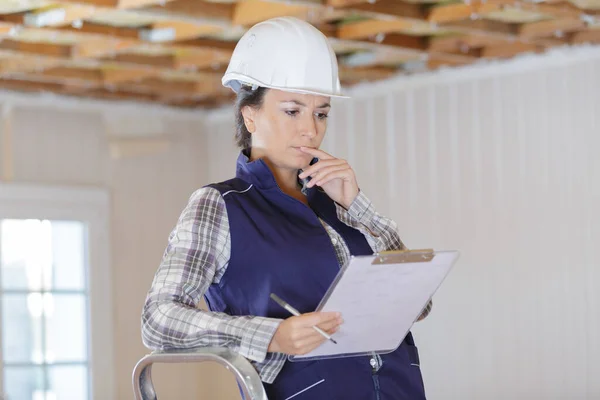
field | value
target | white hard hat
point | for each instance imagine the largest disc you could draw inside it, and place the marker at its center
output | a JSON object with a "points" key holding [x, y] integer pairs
{"points": [[284, 53]]}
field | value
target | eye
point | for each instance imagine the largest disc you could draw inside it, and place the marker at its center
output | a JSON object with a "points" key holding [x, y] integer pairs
{"points": [[292, 113], [322, 116]]}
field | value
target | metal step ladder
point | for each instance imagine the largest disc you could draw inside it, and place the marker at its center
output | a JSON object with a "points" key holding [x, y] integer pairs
{"points": [[247, 378]]}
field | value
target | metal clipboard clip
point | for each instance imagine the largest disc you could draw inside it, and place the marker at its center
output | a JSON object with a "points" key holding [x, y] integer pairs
{"points": [[403, 256]]}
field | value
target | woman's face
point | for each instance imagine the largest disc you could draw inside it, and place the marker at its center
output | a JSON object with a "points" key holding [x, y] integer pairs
{"points": [[285, 122]]}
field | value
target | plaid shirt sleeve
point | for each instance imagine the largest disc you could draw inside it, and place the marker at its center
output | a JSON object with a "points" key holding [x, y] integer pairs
{"points": [[197, 255], [381, 232]]}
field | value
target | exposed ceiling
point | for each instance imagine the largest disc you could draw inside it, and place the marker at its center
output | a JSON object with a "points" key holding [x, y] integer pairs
{"points": [[175, 51]]}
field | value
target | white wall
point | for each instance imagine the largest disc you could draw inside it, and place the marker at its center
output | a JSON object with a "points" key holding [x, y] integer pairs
{"points": [[68, 144], [500, 162], [495, 160]]}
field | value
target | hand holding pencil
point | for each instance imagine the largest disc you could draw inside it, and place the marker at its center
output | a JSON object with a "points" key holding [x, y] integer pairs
{"points": [[302, 333]]}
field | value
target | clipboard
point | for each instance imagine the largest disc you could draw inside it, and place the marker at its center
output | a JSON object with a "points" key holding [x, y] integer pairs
{"points": [[380, 297]]}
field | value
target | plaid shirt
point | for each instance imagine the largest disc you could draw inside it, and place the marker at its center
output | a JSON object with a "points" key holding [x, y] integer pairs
{"points": [[198, 254]]}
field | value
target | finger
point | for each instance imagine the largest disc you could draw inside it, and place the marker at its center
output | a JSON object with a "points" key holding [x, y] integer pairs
{"points": [[312, 347], [333, 330], [330, 325], [309, 344], [321, 175], [318, 318], [310, 341], [317, 153], [313, 169], [345, 174], [307, 331]]}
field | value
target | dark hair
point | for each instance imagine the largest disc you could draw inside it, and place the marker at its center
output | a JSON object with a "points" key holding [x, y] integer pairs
{"points": [[246, 97]]}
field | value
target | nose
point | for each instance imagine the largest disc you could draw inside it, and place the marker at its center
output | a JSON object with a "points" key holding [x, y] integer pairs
{"points": [[309, 126]]}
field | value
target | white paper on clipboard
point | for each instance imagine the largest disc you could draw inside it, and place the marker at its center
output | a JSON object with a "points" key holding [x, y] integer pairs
{"points": [[379, 301]]}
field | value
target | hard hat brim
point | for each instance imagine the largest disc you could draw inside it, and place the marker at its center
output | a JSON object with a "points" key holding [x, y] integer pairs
{"points": [[234, 81]]}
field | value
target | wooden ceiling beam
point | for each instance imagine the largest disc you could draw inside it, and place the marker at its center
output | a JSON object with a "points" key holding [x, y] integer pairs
{"points": [[462, 11], [200, 58], [344, 3], [99, 76], [558, 10], [216, 68], [106, 30], [168, 60], [359, 74], [29, 86], [451, 50], [508, 50], [432, 13], [118, 3], [587, 36], [568, 7], [177, 59], [250, 12], [57, 15], [165, 87], [207, 43], [445, 13], [92, 75], [13, 18], [198, 9], [483, 25], [206, 102], [371, 27], [550, 28], [24, 64], [206, 84], [329, 30], [71, 90], [176, 30], [86, 47], [107, 94], [395, 8], [100, 47], [462, 43], [113, 76], [458, 58], [436, 61], [46, 49], [161, 31], [419, 43], [6, 28], [498, 32]]}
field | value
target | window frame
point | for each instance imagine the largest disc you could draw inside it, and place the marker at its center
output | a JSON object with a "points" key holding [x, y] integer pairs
{"points": [[90, 205]]}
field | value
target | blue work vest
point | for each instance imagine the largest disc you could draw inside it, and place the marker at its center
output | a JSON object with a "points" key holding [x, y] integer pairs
{"points": [[278, 245]]}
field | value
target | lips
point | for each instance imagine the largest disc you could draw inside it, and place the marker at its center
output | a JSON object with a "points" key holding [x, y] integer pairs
{"points": [[298, 147]]}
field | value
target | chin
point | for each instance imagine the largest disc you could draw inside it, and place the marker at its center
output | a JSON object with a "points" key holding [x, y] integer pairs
{"points": [[299, 160]]}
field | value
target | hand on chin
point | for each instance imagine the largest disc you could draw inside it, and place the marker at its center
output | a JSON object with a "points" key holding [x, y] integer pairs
{"points": [[302, 159]]}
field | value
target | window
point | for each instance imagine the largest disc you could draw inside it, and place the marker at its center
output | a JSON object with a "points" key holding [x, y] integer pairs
{"points": [[44, 301], [52, 251]]}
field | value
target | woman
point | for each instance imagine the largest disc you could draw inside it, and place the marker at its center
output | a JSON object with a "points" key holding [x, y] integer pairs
{"points": [[285, 224]]}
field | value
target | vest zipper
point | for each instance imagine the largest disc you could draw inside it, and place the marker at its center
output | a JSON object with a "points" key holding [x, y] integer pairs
{"points": [[375, 362]]}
